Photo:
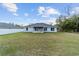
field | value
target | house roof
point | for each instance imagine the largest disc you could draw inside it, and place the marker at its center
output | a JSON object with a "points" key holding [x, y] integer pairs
{"points": [[40, 25]]}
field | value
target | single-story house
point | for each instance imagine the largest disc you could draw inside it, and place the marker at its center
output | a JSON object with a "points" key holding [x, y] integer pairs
{"points": [[41, 27]]}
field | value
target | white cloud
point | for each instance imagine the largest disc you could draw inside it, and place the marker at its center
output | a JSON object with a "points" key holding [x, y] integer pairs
{"points": [[41, 10], [26, 14], [44, 15], [75, 10], [48, 21], [52, 20], [47, 11], [52, 11], [15, 14], [11, 7]]}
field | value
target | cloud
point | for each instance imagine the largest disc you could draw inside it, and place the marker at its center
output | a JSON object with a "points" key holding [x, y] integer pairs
{"points": [[41, 10], [51, 20], [52, 11], [11, 7], [75, 10], [48, 21], [47, 11], [15, 14], [26, 14]]}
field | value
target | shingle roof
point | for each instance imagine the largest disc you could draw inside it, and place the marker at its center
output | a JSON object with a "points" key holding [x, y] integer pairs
{"points": [[39, 25]]}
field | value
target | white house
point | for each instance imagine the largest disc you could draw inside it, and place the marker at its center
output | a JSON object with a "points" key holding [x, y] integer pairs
{"points": [[40, 27]]}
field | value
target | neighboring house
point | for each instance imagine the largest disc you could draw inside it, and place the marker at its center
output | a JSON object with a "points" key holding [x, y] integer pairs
{"points": [[41, 27]]}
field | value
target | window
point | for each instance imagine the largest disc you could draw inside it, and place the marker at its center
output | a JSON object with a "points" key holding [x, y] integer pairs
{"points": [[26, 29], [45, 29], [52, 29], [36, 28]]}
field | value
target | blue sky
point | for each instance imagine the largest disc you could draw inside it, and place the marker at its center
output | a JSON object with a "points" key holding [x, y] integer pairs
{"points": [[27, 13]]}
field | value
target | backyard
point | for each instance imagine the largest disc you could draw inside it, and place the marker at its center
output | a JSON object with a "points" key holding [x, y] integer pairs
{"points": [[39, 44]]}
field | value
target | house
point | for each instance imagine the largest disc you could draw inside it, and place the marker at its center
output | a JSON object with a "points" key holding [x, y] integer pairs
{"points": [[40, 27]]}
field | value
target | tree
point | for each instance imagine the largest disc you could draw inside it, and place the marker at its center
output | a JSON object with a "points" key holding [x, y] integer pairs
{"points": [[75, 18], [59, 22], [66, 24]]}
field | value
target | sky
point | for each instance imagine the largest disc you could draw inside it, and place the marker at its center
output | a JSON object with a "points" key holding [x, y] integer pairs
{"points": [[28, 13]]}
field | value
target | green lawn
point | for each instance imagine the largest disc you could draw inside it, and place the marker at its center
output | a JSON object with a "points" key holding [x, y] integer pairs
{"points": [[39, 44]]}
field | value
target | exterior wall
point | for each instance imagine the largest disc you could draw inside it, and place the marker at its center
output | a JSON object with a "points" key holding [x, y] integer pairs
{"points": [[48, 30], [29, 30], [55, 30]]}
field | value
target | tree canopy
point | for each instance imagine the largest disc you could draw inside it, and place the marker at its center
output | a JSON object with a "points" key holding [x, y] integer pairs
{"points": [[70, 24]]}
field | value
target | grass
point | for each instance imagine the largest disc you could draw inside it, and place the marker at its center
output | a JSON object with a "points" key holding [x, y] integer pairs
{"points": [[39, 44]]}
